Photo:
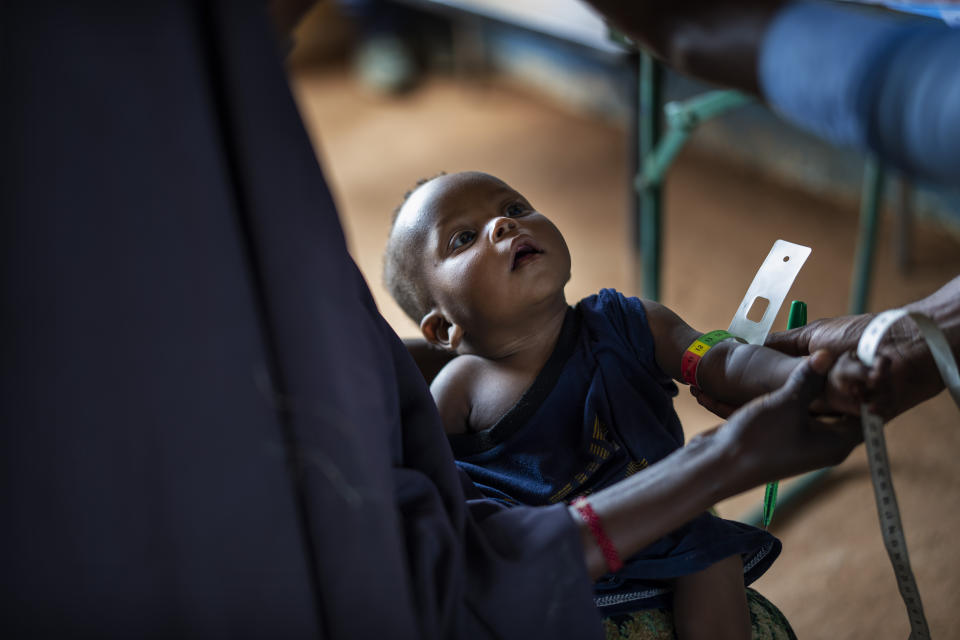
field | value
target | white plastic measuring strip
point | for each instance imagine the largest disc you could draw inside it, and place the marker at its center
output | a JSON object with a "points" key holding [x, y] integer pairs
{"points": [[891, 526], [773, 282]]}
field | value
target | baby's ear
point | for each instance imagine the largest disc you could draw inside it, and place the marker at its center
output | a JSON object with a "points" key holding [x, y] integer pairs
{"points": [[439, 331]]}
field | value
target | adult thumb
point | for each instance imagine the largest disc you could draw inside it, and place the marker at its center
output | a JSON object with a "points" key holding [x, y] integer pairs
{"points": [[807, 380], [793, 342]]}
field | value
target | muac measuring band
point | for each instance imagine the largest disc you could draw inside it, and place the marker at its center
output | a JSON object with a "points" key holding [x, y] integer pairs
{"points": [[690, 361]]}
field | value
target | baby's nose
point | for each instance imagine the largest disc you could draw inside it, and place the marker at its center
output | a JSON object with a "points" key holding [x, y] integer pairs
{"points": [[503, 226]]}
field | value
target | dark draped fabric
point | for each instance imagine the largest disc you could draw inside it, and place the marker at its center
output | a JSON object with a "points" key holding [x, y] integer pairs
{"points": [[207, 428]]}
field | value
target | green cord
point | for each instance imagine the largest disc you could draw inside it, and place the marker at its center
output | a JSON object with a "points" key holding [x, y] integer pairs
{"points": [[797, 318]]}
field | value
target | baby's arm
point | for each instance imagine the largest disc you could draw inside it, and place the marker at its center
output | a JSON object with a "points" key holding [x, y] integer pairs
{"points": [[730, 372]]}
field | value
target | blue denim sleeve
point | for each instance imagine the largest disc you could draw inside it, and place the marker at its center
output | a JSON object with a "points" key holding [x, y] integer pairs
{"points": [[870, 80]]}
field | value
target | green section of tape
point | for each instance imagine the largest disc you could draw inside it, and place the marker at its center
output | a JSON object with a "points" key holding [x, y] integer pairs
{"points": [[713, 337]]}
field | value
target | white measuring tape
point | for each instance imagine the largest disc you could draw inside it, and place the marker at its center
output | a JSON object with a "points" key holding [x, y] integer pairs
{"points": [[891, 526]]}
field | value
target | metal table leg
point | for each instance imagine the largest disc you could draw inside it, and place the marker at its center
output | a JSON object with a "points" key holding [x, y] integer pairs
{"points": [[867, 238], [651, 101]]}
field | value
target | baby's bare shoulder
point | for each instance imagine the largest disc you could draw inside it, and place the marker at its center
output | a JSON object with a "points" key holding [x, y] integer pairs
{"points": [[455, 387]]}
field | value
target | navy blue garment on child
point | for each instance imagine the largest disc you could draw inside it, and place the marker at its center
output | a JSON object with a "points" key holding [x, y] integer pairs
{"points": [[599, 411]]}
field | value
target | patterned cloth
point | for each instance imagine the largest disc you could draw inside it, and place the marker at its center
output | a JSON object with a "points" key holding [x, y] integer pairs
{"points": [[657, 624]]}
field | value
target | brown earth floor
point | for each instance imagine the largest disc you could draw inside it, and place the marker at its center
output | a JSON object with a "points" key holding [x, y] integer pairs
{"points": [[833, 579]]}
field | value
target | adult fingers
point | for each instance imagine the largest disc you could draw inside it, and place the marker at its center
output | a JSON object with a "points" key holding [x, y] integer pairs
{"points": [[823, 443], [716, 407], [879, 393], [807, 380], [839, 437], [849, 376], [849, 367], [863, 384], [793, 342]]}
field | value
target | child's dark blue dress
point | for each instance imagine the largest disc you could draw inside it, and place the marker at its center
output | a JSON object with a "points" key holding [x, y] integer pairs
{"points": [[600, 410]]}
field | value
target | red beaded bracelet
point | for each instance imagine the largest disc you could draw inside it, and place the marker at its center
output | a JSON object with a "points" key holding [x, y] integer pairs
{"points": [[614, 563]]}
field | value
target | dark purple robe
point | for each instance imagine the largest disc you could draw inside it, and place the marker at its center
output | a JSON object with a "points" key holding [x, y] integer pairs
{"points": [[207, 427]]}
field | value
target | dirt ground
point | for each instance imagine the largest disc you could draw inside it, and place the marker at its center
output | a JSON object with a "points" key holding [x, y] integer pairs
{"points": [[833, 579]]}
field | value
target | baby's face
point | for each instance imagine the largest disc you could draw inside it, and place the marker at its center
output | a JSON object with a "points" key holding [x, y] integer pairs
{"points": [[489, 257]]}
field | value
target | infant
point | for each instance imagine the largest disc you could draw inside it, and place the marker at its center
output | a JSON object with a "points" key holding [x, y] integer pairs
{"points": [[547, 402]]}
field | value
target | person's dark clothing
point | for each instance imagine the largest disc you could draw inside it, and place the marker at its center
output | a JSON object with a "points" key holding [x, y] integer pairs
{"points": [[207, 427]]}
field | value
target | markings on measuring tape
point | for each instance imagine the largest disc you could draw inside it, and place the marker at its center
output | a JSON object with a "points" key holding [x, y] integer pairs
{"points": [[891, 527], [773, 282]]}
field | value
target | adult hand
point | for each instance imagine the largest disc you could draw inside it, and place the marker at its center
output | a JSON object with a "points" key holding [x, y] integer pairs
{"points": [[775, 436], [712, 405], [836, 335], [903, 376]]}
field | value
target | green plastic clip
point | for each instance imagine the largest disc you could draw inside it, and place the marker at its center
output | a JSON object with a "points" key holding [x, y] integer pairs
{"points": [[797, 318], [798, 314]]}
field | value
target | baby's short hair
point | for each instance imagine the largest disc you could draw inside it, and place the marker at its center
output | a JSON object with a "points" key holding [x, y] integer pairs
{"points": [[402, 267]]}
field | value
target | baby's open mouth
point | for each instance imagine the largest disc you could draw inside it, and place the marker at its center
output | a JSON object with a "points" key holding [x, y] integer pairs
{"points": [[524, 253]]}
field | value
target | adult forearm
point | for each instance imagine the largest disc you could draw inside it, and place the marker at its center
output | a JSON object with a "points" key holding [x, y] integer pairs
{"points": [[907, 375], [715, 41], [648, 505], [912, 373], [911, 359], [852, 76], [943, 307]]}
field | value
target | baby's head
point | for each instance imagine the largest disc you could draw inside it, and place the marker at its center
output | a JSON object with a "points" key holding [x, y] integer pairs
{"points": [[471, 261]]}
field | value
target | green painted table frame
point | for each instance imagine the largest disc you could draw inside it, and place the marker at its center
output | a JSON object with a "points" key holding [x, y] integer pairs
{"points": [[659, 145]]}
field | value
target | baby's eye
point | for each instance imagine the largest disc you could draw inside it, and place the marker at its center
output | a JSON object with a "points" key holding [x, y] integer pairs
{"points": [[463, 238], [516, 209]]}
